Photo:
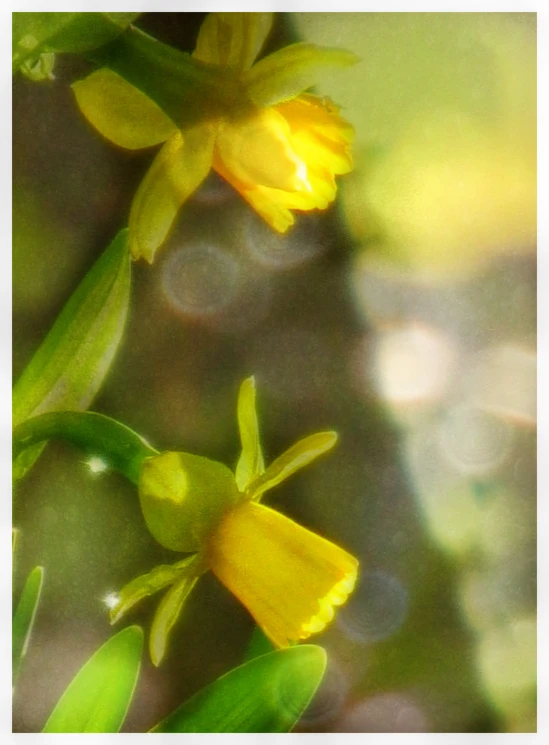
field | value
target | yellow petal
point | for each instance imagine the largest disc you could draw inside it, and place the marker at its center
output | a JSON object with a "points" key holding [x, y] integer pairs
{"points": [[167, 614], [268, 203], [250, 464], [176, 172], [256, 149], [295, 458], [288, 577], [232, 39], [320, 137], [288, 72], [121, 112]]}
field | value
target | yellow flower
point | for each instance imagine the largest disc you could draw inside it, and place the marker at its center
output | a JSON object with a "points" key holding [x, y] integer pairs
{"points": [[288, 578], [278, 146]]}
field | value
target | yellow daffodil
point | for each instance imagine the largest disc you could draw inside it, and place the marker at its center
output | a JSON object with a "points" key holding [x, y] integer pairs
{"points": [[279, 147], [288, 578]]}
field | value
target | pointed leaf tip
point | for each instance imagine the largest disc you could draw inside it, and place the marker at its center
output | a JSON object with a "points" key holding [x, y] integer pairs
{"points": [[98, 697]]}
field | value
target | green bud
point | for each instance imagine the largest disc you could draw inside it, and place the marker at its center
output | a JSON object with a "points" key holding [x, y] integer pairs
{"points": [[183, 498]]}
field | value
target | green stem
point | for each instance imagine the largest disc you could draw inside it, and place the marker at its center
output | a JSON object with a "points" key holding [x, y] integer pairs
{"points": [[176, 82], [119, 446]]}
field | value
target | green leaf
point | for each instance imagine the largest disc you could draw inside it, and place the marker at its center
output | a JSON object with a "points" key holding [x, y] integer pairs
{"points": [[259, 645], [295, 458], [73, 360], [250, 464], [23, 619], [35, 33], [14, 539], [288, 72], [267, 694], [99, 696], [117, 445]]}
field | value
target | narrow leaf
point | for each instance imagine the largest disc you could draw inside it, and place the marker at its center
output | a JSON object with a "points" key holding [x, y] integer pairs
{"points": [[23, 619], [120, 447], [14, 539], [295, 458], [267, 694], [99, 696], [291, 70], [70, 365], [250, 464]]}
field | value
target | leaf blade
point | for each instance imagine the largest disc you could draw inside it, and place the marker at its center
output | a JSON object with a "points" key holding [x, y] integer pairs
{"points": [[98, 697], [23, 620], [70, 365], [267, 694], [258, 645]]}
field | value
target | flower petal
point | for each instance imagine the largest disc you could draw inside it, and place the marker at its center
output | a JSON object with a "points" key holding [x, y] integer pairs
{"points": [[288, 577], [232, 39], [257, 149], [320, 137], [295, 458], [121, 112], [288, 72], [167, 614], [268, 203], [176, 172], [250, 464], [147, 584], [319, 141]]}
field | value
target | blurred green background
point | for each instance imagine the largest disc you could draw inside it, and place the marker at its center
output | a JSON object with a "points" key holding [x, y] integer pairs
{"points": [[404, 318]]}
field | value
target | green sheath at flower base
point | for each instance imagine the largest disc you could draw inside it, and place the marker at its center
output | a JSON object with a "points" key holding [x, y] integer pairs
{"points": [[183, 497]]}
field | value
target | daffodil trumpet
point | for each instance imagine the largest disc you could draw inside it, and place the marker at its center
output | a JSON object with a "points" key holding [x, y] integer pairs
{"points": [[250, 121], [289, 578]]}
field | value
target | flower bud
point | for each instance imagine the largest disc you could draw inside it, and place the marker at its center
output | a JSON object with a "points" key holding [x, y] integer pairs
{"points": [[183, 498]]}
